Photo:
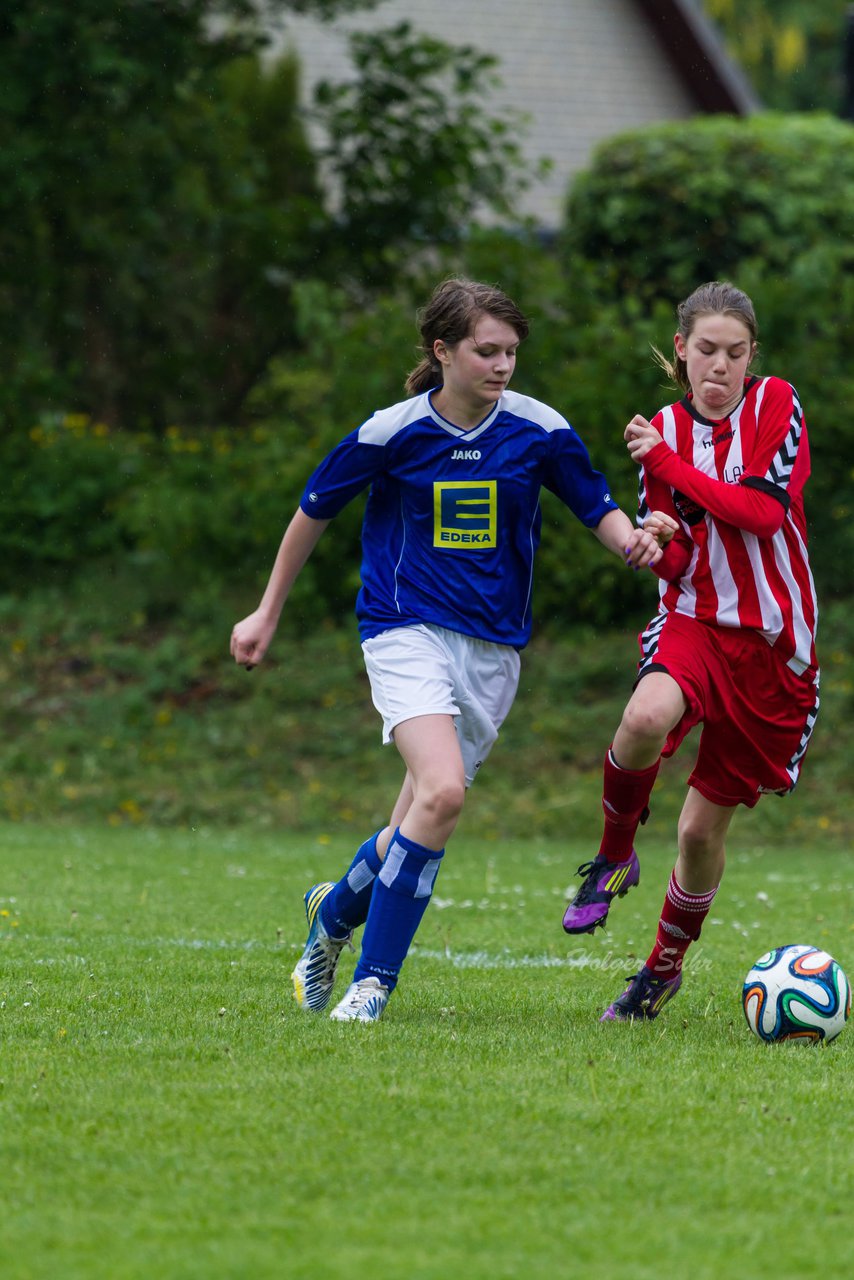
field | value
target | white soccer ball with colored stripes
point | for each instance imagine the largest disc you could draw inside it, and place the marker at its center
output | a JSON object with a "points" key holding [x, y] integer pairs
{"points": [[796, 993]]}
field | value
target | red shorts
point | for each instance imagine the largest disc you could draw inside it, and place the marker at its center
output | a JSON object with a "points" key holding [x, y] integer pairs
{"points": [[757, 715]]}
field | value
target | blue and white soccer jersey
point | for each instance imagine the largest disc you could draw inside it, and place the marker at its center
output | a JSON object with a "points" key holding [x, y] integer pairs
{"points": [[452, 523]]}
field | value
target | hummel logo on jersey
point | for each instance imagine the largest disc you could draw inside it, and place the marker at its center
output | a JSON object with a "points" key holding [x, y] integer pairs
{"points": [[465, 455], [720, 438]]}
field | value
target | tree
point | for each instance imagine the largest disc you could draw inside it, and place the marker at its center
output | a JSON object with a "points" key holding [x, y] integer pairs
{"points": [[158, 197], [663, 208], [412, 154], [791, 49], [128, 177]]}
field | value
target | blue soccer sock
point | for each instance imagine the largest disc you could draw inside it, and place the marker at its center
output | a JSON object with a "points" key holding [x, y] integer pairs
{"points": [[346, 906], [401, 893]]}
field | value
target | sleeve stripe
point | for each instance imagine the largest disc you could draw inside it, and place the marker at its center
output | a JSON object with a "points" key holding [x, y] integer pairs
{"points": [[768, 486], [780, 470]]}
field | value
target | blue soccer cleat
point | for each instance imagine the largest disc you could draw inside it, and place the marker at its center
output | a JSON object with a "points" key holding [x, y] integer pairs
{"points": [[314, 975]]}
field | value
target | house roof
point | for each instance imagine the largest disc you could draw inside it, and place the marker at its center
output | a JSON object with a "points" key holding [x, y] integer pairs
{"points": [[698, 56]]}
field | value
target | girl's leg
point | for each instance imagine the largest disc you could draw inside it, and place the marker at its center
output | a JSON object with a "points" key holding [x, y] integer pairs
{"points": [[436, 778], [432, 745], [345, 906], [390, 881], [693, 883], [333, 911], [402, 889], [401, 807], [656, 706], [631, 765]]}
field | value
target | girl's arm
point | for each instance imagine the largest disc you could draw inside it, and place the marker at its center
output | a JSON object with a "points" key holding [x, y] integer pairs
{"points": [[741, 505], [639, 548], [251, 637], [677, 549], [674, 560]]}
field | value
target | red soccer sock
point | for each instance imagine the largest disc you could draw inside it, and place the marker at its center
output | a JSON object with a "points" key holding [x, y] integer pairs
{"points": [[625, 796], [681, 920]]}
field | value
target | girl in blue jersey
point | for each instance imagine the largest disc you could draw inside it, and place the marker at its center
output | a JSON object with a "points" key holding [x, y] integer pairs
{"points": [[451, 528]]}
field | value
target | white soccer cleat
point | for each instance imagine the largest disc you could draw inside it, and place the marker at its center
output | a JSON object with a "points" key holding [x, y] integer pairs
{"points": [[364, 1002]]}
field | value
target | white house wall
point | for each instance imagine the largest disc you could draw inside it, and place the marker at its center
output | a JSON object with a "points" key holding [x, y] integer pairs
{"points": [[580, 70]]}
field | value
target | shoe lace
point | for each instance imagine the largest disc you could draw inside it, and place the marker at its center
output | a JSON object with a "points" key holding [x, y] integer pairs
{"points": [[334, 946], [640, 993], [587, 889], [352, 999], [360, 993], [324, 959], [635, 994]]}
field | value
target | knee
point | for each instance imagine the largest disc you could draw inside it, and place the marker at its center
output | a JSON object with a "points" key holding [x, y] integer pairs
{"points": [[444, 798], [646, 723], [698, 841]]}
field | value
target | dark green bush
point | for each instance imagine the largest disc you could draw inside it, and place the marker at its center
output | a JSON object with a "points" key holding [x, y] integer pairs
{"points": [[61, 484], [183, 515], [664, 208], [190, 514]]}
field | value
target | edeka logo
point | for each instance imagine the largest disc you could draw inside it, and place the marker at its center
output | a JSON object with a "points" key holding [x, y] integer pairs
{"points": [[464, 514]]}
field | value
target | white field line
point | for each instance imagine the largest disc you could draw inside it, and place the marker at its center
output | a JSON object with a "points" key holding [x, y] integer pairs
{"points": [[576, 958]]}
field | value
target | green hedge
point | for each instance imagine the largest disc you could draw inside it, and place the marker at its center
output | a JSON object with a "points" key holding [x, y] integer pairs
{"points": [[664, 208], [183, 517], [190, 515]]}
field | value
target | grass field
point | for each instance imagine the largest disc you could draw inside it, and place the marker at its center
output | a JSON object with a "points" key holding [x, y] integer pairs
{"points": [[166, 1110], [107, 717]]}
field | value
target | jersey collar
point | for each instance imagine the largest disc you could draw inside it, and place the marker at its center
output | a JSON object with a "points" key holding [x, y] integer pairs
{"points": [[688, 404], [460, 432]]}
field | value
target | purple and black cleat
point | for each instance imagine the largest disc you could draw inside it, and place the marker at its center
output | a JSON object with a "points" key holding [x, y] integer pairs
{"points": [[603, 880], [643, 999]]}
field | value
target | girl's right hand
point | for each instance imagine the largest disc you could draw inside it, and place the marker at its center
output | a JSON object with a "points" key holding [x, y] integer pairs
{"points": [[250, 639], [640, 437]]}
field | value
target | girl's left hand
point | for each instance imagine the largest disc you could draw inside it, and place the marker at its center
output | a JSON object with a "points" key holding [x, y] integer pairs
{"points": [[661, 526], [642, 549]]}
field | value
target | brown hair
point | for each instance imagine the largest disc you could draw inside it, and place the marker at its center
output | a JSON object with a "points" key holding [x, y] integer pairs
{"points": [[718, 297], [451, 315]]}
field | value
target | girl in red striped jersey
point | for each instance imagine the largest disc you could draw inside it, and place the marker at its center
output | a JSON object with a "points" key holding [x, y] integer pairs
{"points": [[733, 645]]}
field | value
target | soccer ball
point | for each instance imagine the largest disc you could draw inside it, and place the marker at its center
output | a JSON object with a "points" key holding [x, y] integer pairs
{"points": [[796, 993]]}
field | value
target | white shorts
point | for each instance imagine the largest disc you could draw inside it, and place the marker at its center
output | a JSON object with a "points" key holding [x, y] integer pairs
{"points": [[425, 670]]}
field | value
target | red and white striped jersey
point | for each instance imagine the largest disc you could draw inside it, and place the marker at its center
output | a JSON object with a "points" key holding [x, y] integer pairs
{"points": [[729, 573]]}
